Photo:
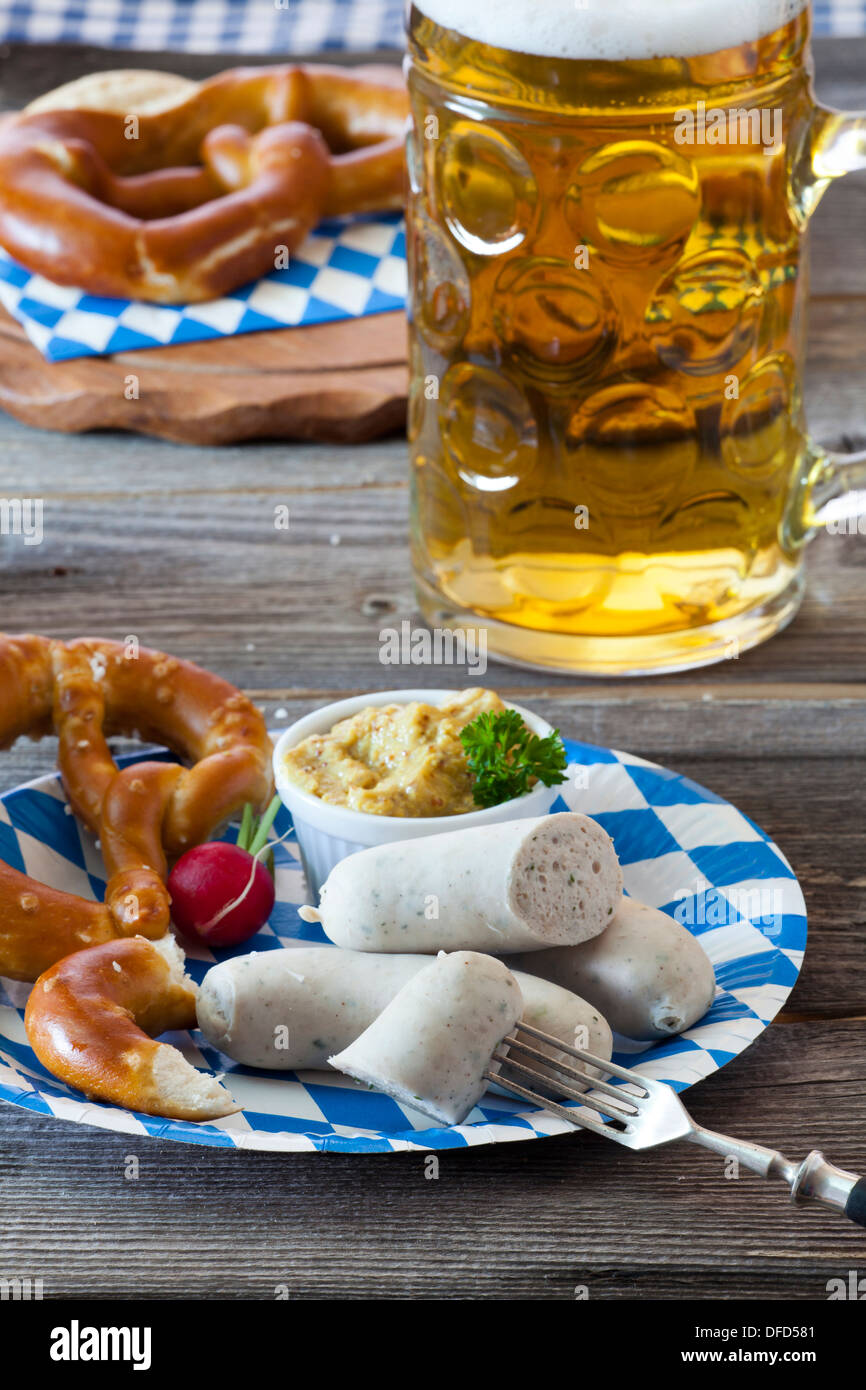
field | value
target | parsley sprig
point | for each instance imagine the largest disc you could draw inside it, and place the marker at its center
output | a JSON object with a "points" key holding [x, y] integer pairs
{"points": [[507, 759]]}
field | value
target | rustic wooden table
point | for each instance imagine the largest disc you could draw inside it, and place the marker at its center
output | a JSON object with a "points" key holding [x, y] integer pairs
{"points": [[178, 546]]}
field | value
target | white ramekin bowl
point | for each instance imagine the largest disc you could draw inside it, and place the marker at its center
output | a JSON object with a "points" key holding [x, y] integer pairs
{"points": [[326, 834]]}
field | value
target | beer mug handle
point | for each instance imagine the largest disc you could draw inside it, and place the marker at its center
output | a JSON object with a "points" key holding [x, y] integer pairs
{"points": [[834, 488]]}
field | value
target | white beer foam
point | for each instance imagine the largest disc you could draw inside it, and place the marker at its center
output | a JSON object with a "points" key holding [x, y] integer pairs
{"points": [[612, 29]]}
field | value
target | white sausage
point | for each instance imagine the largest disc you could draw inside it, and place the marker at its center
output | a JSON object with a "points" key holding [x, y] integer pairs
{"points": [[430, 1047], [545, 881], [646, 973], [290, 1010]]}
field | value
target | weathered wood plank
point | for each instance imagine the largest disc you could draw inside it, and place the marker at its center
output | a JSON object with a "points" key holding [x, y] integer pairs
{"points": [[211, 577]]}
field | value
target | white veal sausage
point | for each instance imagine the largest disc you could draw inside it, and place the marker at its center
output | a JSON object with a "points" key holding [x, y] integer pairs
{"points": [[646, 973], [546, 881], [290, 1010], [430, 1047]]}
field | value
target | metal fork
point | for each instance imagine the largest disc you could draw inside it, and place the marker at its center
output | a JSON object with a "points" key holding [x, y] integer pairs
{"points": [[650, 1113]]}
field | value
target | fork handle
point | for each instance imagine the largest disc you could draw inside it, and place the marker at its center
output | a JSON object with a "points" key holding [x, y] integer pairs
{"points": [[834, 1187], [814, 1177], [855, 1207]]}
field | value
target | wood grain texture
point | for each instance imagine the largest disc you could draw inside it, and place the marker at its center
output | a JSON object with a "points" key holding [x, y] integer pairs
{"points": [[342, 381], [311, 601], [178, 546]]}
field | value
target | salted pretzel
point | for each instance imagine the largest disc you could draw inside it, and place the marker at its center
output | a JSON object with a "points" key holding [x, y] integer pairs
{"points": [[39, 924], [175, 192], [92, 1017], [145, 815]]}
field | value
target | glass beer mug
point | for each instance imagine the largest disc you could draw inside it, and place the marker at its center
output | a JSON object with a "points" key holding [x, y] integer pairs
{"points": [[608, 212]]}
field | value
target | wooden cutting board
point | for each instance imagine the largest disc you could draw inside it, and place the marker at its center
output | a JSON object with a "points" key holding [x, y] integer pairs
{"points": [[343, 382]]}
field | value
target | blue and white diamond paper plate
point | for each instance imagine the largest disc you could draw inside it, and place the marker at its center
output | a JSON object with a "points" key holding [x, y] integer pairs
{"points": [[347, 268], [682, 849]]}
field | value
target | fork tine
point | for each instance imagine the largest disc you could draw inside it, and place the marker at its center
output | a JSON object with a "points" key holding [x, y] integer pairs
{"points": [[584, 1099], [570, 1116], [634, 1077], [616, 1091]]}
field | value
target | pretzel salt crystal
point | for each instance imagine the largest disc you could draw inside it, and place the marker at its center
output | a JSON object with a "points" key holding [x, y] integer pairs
{"points": [[88, 690], [196, 195], [91, 1019]]}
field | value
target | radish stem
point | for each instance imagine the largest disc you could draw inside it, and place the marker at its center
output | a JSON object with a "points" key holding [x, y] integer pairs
{"points": [[246, 827], [261, 836]]}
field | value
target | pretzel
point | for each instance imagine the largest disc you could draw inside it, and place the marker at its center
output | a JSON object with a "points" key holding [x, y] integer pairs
{"points": [[91, 1019], [145, 815], [39, 925], [191, 195]]}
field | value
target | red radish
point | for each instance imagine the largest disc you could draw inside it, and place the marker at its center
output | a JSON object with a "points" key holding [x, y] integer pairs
{"points": [[221, 894]]}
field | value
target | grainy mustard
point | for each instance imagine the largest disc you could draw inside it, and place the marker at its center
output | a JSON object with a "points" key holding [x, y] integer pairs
{"points": [[394, 760]]}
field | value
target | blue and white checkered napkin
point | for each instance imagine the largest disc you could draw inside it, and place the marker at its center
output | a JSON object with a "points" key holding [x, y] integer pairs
{"points": [[209, 26], [347, 268], [260, 26]]}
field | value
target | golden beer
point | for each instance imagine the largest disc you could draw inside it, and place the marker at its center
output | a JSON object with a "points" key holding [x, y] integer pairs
{"points": [[607, 336]]}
